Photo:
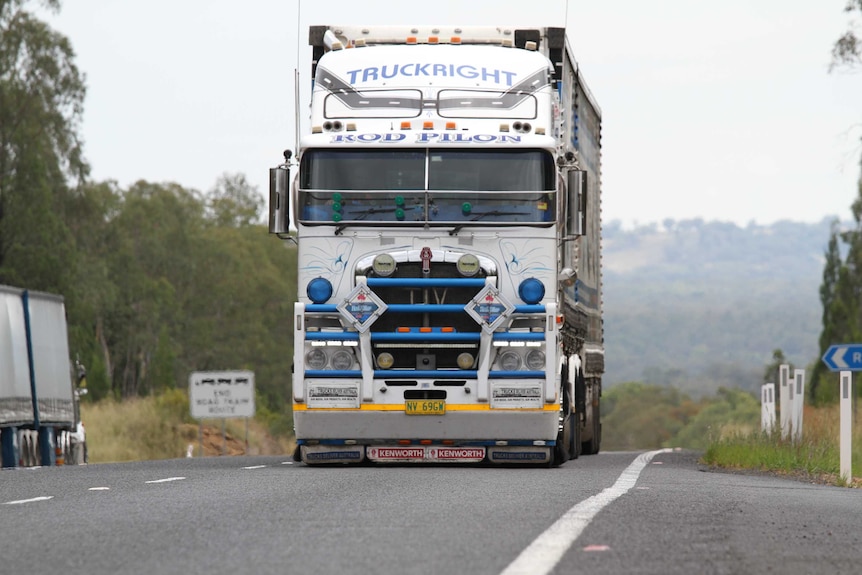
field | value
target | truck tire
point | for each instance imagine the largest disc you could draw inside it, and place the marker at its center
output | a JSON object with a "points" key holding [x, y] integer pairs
{"points": [[592, 445]]}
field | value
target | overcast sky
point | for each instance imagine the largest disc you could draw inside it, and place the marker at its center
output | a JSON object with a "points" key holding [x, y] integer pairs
{"points": [[719, 110]]}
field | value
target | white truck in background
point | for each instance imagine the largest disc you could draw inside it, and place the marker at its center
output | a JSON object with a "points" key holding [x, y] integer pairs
{"points": [[40, 422], [447, 211]]}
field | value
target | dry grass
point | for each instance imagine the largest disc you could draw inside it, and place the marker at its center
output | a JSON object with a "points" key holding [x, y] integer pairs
{"points": [[816, 457], [160, 428]]}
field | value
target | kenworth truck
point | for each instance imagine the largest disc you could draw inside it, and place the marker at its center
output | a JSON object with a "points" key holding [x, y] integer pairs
{"points": [[447, 210]]}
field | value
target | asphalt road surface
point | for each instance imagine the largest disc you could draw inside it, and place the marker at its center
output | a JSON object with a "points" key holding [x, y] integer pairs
{"points": [[614, 513]]}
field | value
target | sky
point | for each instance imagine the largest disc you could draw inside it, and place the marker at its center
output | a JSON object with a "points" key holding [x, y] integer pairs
{"points": [[715, 110]]}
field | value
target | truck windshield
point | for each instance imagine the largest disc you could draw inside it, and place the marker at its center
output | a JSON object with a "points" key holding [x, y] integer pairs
{"points": [[435, 186]]}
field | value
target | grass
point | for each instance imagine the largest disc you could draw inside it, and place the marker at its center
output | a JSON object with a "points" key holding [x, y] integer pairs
{"points": [[161, 428], [815, 457]]}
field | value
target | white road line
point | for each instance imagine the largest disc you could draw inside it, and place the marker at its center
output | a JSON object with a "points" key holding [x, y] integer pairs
{"points": [[255, 467], [20, 501], [543, 554], [100, 489], [165, 480]]}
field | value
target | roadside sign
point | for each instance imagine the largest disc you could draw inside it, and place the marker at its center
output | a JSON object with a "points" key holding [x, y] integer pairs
{"points": [[844, 357], [221, 394]]}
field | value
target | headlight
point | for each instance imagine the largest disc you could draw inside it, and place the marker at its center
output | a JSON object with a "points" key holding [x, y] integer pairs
{"points": [[536, 360], [316, 358], [465, 360], [341, 360], [531, 291], [385, 360], [510, 361], [319, 290]]}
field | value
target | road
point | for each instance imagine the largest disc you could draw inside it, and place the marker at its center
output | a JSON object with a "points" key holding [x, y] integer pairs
{"points": [[613, 513]]}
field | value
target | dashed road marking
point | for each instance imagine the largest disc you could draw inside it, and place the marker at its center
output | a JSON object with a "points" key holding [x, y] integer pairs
{"points": [[99, 489], [33, 500], [166, 480], [255, 467]]}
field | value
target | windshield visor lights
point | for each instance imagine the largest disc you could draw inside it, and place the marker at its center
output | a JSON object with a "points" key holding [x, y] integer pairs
{"points": [[468, 265], [319, 290], [531, 291], [383, 265]]}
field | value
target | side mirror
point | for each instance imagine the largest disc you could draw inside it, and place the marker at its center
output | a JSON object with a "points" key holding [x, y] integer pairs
{"points": [[577, 210], [279, 179]]}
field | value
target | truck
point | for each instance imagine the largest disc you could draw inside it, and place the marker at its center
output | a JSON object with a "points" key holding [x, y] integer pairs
{"points": [[447, 208], [40, 418]]}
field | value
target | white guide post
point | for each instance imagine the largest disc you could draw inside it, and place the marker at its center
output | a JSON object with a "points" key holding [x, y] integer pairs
{"points": [[798, 402], [767, 408], [846, 392], [784, 399]]}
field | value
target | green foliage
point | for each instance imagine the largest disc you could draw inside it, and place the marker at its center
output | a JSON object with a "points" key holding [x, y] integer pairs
{"points": [[731, 411], [643, 416], [173, 404]]}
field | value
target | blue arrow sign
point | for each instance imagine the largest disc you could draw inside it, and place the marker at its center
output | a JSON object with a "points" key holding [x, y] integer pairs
{"points": [[844, 357]]}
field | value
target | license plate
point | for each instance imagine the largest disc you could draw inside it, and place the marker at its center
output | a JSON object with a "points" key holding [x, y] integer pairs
{"points": [[425, 407]]}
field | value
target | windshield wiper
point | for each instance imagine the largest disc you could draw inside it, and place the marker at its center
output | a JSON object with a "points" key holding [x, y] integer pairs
{"points": [[478, 217], [361, 215]]}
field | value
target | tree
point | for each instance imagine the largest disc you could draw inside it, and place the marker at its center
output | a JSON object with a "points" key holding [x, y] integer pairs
{"points": [[847, 50], [233, 202], [41, 103]]}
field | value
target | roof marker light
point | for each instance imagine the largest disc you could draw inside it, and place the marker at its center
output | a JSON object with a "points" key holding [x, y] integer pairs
{"points": [[531, 46], [359, 43], [455, 40], [427, 125], [405, 125], [433, 39], [331, 41], [450, 125], [411, 40], [504, 127]]}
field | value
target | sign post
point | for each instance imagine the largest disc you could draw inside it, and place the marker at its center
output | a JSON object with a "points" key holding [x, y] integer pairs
{"points": [[221, 395], [845, 358], [846, 392], [784, 400], [767, 408]]}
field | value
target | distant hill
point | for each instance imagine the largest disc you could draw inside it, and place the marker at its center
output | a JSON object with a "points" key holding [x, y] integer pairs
{"points": [[700, 305]]}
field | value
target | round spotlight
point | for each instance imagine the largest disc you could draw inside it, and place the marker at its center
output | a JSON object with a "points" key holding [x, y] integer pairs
{"points": [[510, 361], [316, 358], [536, 360], [385, 360], [468, 265], [465, 360], [341, 359], [531, 291], [319, 290], [383, 265]]}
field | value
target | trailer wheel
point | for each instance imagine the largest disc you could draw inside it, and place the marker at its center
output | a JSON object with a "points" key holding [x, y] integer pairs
{"points": [[592, 445]]}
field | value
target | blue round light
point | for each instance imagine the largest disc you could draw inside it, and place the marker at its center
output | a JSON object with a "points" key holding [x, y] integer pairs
{"points": [[319, 290], [531, 291]]}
